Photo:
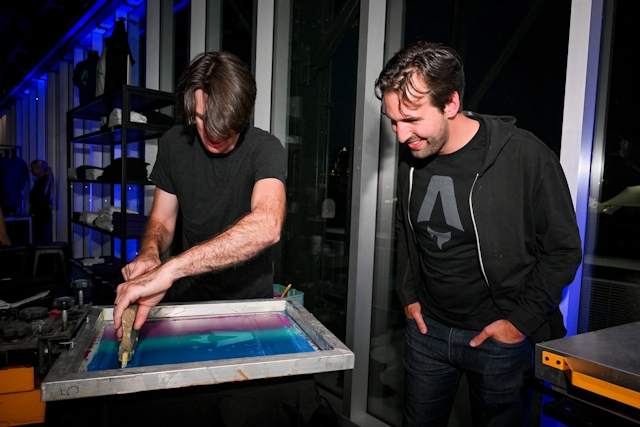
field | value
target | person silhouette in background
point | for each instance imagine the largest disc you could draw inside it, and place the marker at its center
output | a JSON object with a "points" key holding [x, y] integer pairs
{"points": [[14, 175], [40, 201]]}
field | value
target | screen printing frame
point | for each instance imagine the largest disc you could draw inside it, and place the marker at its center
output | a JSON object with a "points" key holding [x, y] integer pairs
{"points": [[64, 381]]}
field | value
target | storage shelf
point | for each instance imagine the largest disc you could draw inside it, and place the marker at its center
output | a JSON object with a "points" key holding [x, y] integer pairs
{"points": [[128, 99], [96, 181], [112, 279], [136, 132], [105, 231], [140, 99]]}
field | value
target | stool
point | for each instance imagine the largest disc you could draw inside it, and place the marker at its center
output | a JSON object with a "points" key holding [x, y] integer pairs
{"points": [[7, 257], [54, 248]]}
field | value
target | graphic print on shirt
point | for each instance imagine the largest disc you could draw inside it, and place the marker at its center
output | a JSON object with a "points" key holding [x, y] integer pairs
{"points": [[442, 185]]}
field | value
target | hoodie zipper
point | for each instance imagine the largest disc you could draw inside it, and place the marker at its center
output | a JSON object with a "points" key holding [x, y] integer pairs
{"points": [[475, 230], [415, 239]]}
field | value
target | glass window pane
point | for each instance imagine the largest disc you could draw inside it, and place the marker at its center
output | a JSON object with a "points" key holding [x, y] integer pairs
{"points": [[322, 85], [610, 293], [515, 56], [237, 31]]}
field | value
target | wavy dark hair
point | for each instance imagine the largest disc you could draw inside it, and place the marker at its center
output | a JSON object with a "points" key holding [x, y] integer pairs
{"points": [[439, 66], [229, 88]]}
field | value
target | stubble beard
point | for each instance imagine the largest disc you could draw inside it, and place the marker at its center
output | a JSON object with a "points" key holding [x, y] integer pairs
{"points": [[432, 145]]}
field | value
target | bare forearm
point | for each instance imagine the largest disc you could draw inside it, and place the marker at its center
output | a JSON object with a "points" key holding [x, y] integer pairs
{"points": [[244, 240], [156, 238]]}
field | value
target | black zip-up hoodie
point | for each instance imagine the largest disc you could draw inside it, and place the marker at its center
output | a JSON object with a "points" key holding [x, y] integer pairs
{"points": [[528, 240]]}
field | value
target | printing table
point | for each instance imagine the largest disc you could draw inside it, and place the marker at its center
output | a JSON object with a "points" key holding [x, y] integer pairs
{"points": [[594, 377]]}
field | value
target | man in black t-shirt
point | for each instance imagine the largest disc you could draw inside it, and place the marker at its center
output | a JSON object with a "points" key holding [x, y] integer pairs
{"points": [[227, 179], [487, 241]]}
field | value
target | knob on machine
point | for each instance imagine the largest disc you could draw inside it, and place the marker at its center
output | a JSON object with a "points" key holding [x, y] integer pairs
{"points": [[33, 313], [64, 304], [15, 330], [80, 284]]}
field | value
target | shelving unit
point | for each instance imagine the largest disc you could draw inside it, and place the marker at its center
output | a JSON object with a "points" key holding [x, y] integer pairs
{"points": [[128, 99]]}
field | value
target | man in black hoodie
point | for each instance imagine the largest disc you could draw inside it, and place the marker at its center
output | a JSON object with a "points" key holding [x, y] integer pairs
{"points": [[487, 241]]}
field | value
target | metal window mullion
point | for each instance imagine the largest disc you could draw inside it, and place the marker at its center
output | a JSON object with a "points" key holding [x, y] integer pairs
{"points": [[363, 204], [578, 125], [197, 27], [263, 62]]}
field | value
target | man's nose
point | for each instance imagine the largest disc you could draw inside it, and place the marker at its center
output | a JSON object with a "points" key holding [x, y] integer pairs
{"points": [[403, 131]]}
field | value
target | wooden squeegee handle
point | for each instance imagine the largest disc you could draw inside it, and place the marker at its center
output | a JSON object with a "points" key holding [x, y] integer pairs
{"points": [[129, 336]]}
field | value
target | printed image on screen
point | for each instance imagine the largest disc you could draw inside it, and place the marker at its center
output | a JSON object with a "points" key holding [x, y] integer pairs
{"points": [[198, 339]]}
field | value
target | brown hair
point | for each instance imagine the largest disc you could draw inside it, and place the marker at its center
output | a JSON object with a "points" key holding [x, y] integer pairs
{"points": [[440, 67], [229, 90]]}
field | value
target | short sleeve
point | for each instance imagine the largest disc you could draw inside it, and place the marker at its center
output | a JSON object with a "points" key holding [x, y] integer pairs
{"points": [[161, 173], [270, 160]]}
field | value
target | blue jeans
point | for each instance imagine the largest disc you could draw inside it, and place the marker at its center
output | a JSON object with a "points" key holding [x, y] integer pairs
{"points": [[434, 364]]}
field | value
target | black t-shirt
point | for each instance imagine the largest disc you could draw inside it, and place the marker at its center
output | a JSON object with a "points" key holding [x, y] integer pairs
{"points": [[39, 200], [214, 192], [454, 290]]}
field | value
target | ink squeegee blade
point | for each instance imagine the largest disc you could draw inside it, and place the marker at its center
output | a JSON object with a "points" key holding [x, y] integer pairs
{"points": [[129, 335]]}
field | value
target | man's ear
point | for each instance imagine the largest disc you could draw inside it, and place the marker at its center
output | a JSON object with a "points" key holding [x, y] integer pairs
{"points": [[451, 108]]}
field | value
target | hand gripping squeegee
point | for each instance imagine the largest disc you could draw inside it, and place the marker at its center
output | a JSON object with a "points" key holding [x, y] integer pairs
{"points": [[129, 335]]}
